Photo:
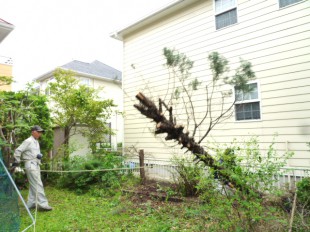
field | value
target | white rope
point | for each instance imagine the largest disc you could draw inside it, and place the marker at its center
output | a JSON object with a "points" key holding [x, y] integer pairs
{"points": [[94, 170]]}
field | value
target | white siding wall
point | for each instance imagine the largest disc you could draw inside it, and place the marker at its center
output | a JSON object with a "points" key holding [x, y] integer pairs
{"points": [[277, 43], [112, 90], [79, 145]]}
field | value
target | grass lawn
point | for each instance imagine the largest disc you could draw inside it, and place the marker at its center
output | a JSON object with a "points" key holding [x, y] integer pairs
{"points": [[72, 212]]}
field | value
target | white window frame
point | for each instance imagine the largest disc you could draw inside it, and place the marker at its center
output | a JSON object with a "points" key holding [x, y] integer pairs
{"points": [[248, 101], [291, 4], [217, 13], [85, 81], [47, 89]]}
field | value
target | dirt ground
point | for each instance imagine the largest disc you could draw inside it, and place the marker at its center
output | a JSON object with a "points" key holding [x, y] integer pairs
{"points": [[155, 192]]}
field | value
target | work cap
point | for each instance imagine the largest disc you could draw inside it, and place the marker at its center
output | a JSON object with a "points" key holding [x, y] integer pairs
{"points": [[37, 128]]}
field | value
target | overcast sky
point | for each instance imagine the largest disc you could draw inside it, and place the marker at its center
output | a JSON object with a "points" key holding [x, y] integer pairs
{"points": [[51, 33]]}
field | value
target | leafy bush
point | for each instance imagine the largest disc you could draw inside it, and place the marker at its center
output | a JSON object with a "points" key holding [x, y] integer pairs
{"points": [[86, 172], [303, 192], [246, 208], [187, 176]]}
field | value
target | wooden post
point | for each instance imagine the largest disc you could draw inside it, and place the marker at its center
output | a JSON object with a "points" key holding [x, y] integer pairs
{"points": [[141, 163], [293, 212]]}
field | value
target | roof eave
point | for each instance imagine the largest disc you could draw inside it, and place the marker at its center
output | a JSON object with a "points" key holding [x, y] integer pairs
{"points": [[50, 74], [6, 29], [166, 10]]}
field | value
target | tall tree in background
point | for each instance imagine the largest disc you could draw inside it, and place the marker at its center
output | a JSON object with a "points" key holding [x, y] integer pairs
{"points": [[182, 97], [19, 111], [78, 109]]}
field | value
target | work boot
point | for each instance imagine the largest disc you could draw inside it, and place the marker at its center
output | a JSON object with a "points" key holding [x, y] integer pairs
{"points": [[46, 208]]}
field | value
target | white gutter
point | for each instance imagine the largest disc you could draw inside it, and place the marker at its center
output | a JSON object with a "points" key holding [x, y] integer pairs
{"points": [[5, 29]]}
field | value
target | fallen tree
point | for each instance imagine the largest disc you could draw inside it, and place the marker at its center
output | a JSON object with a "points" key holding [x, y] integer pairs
{"points": [[175, 132]]}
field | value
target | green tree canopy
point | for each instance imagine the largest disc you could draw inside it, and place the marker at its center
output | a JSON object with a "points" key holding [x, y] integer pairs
{"points": [[78, 107], [19, 111]]}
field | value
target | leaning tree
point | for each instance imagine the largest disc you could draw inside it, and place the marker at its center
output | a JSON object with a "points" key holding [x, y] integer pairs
{"points": [[182, 91]]}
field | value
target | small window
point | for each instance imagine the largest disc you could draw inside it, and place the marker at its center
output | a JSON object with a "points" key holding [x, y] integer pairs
{"points": [[47, 88], [85, 81], [47, 91], [247, 104], [225, 13], [284, 3]]}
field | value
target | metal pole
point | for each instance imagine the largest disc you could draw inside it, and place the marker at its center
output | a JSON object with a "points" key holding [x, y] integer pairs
{"points": [[17, 190]]}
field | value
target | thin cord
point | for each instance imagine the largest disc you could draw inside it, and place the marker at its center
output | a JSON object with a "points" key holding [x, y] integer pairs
{"points": [[94, 170]]}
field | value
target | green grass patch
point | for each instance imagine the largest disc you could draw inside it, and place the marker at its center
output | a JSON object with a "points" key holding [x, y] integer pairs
{"points": [[72, 212]]}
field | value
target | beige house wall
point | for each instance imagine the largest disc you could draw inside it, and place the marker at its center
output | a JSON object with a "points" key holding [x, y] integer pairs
{"points": [[6, 70], [276, 41], [113, 90]]}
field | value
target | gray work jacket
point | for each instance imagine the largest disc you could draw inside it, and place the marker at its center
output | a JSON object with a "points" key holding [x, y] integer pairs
{"points": [[28, 151]]}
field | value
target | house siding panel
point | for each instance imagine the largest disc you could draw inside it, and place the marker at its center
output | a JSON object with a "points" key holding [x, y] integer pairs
{"points": [[276, 41]]}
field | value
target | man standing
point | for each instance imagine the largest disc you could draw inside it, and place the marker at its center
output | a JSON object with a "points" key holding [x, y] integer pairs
{"points": [[29, 151]]}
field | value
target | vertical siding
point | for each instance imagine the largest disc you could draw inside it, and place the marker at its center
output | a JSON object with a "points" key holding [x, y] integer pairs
{"points": [[276, 41]]}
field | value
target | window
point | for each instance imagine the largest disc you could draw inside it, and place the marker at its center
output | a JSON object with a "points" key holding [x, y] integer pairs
{"points": [[85, 81], [47, 88], [247, 105], [106, 144], [225, 13], [284, 3], [47, 91]]}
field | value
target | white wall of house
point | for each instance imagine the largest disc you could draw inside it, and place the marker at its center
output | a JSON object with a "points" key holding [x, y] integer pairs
{"points": [[276, 41], [79, 146], [113, 90]]}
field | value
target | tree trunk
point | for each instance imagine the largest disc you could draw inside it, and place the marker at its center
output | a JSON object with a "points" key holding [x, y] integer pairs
{"points": [[66, 143]]}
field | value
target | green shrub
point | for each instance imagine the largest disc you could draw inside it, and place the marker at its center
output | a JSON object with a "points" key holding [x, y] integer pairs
{"points": [[303, 192], [245, 208], [187, 176], [87, 172]]}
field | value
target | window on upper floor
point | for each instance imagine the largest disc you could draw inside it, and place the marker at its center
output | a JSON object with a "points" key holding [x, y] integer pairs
{"points": [[247, 104], [284, 3], [47, 91], [47, 88], [225, 13], [85, 81]]}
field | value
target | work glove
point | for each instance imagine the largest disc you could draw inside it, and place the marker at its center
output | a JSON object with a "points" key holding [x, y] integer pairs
{"points": [[14, 166], [39, 156]]}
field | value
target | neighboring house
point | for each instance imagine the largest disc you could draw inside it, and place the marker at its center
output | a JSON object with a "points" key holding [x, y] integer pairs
{"points": [[273, 35], [5, 62], [95, 75]]}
